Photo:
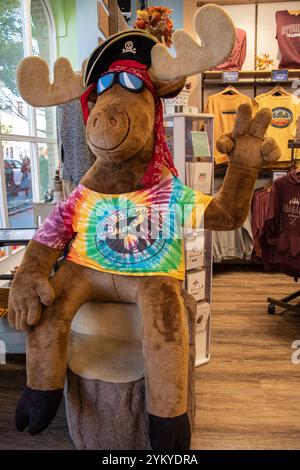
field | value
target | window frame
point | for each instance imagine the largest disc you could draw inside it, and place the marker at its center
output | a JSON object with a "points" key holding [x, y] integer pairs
{"points": [[31, 138]]}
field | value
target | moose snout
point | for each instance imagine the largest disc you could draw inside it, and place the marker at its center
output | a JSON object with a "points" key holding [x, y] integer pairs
{"points": [[107, 128]]}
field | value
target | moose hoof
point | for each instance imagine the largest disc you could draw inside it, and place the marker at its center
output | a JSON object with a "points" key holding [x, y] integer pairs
{"points": [[170, 433], [36, 409]]}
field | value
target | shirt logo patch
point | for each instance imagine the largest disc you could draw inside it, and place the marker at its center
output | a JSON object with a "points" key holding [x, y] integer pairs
{"points": [[130, 236], [128, 47], [291, 30], [281, 117]]}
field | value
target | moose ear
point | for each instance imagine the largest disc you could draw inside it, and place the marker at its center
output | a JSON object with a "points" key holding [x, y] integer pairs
{"points": [[36, 89], [168, 88], [216, 32]]}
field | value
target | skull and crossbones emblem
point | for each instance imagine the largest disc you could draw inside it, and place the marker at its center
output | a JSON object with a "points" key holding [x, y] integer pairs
{"points": [[128, 47]]}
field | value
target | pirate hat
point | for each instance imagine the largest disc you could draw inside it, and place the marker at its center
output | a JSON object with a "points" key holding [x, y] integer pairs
{"points": [[134, 44]]}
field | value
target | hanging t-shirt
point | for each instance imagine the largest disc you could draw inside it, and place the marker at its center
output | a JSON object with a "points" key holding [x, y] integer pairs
{"points": [[75, 156], [288, 37], [285, 109], [233, 244], [137, 233], [280, 237], [224, 107], [237, 57]]}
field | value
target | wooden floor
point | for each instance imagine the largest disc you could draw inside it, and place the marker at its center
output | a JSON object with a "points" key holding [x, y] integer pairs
{"points": [[247, 395], [12, 381]]}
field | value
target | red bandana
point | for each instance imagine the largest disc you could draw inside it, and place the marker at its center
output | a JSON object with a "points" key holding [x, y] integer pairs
{"points": [[161, 154]]}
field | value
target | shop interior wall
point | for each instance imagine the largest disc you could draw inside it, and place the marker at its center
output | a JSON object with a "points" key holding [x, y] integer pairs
{"points": [[266, 27], [76, 29], [86, 28], [176, 6], [189, 9], [266, 32], [64, 12], [244, 18]]}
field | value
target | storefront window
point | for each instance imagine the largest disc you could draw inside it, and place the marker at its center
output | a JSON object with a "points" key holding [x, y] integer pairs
{"points": [[18, 183], [45, 119], [41, 29], [28, 154], [13, 110], [48, 161]]}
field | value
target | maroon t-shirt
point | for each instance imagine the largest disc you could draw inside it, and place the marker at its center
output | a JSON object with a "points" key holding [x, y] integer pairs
{"points": [[280, 238], [237, 57], [288, 37], [259, 213]]}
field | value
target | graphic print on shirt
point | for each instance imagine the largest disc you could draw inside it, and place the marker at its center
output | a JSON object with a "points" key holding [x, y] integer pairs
{"points": [[292, 209], [291, 30], [237, 57], [281, 117], [288, 37], [285, 109], [132, 235]]}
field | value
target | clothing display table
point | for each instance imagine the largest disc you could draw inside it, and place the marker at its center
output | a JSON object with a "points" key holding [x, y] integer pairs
{"points": [[14, 237]]}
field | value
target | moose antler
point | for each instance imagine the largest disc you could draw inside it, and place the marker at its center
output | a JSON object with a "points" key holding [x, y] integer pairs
{"points": [[34, 85], [217, 33]]}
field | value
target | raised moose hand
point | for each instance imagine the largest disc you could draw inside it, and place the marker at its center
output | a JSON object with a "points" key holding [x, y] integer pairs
{"points": [[248, 150], [246, 144], [31, 287]]}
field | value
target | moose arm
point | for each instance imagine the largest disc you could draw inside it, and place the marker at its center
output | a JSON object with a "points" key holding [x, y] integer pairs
{"points": [[248, 150], [31, 286], [229, 208], [38, 259]]}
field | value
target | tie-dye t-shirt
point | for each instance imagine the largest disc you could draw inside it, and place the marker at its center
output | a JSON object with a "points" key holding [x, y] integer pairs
{"points": [[137, 233]]}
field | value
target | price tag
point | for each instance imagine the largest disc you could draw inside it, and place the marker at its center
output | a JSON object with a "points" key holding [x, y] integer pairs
{"points": [[280, 75], [230, 76]]}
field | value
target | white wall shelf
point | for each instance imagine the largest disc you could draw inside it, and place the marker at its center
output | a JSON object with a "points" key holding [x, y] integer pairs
{"points": [[198, 281]]}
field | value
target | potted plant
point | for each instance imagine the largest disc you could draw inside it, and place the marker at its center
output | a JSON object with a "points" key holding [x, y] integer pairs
{"points": [[157, 21]]}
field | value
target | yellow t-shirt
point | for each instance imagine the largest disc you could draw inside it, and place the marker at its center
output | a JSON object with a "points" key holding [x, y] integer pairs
{"points": [[285, 109], [224, 107]]}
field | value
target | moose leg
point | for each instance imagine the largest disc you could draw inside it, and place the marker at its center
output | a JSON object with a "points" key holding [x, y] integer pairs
{"points": [[166, 350], [47, 345]]}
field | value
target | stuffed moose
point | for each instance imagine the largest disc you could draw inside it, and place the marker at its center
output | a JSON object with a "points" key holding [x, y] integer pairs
{"points": [[113, 256]]}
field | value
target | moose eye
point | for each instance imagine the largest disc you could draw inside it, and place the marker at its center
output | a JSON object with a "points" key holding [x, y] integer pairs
{"points": [[105, 82], [131, 82]]}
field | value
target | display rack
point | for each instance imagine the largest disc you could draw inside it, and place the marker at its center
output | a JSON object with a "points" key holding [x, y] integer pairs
{"points": [[285, 302], [179, 128], [247, 78]]}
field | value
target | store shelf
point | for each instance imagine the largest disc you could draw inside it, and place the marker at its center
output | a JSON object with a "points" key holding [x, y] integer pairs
{"points": [[198, 278], [248, 78], [287, 165], [236, 2]]}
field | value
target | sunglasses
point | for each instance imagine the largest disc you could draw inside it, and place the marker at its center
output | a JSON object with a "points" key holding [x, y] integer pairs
{"points": [[127, 80]]}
